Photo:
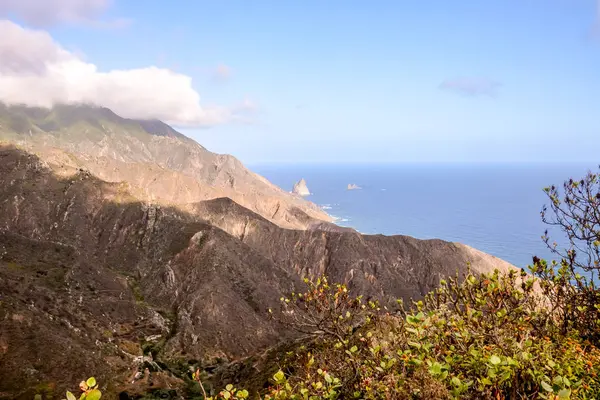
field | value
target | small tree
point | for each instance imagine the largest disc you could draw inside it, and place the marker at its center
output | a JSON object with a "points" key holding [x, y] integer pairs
{"points": [[325, 310], [576, 212]]}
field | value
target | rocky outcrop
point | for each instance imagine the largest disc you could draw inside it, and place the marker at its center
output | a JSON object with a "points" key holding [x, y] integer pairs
{"points": [[300, 188], [353, 186], [93, 281], [157, 163]]}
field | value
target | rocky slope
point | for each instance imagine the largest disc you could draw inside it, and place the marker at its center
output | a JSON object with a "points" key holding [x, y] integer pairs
{"points": [[159, 163], [94, 281]]}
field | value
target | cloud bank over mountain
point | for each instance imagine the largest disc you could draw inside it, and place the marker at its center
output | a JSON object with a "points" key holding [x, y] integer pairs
{"points": [[36, 70]]}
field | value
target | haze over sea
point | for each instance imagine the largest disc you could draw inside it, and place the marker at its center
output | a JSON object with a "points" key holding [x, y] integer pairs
{"points": [[492, 207]]}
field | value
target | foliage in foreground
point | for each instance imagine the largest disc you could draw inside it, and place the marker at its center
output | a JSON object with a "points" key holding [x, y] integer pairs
{"points": [[89, 389], [496, 336]]}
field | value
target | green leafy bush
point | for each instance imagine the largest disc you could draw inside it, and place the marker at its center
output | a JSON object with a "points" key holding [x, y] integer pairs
{"points": [[89, 389], [494, 336]]}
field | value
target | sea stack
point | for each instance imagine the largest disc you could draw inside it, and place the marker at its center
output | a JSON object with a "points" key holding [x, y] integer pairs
{"points": [[301, 189], [353, 186]]}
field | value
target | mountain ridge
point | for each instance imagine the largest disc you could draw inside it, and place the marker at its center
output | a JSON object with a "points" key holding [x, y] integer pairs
{"points": [[159, 163]]}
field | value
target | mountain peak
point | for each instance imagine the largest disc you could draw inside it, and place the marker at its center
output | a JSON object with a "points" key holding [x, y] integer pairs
{"points": [[161, 164], [25, 119]]}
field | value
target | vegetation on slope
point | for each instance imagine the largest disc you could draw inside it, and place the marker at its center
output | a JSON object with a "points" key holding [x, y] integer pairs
{"points": [[493, 336], [513, 335]]}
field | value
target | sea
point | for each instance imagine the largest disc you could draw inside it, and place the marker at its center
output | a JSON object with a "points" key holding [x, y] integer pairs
{"points": [[492, 207]]}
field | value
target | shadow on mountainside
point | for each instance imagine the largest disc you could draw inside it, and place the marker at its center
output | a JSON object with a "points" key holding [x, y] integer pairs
{"points": [[94, 282]]}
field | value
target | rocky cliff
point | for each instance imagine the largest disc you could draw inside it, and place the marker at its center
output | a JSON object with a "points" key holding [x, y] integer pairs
{"points": [[95, 281], [159, 164]]}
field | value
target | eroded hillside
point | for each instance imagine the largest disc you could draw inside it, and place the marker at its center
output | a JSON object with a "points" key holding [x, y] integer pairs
{"points": [[85, 268]]}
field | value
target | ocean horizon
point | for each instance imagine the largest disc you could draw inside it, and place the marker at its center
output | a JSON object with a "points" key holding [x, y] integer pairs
{"points": [[492, 207]]}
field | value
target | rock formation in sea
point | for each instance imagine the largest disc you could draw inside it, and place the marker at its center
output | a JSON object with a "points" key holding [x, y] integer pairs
{"points": [[300, 188]]}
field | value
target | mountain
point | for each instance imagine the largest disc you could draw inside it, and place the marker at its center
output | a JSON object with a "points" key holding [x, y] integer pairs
{"points": [[158, 163], [126, 247], [94, 281]]}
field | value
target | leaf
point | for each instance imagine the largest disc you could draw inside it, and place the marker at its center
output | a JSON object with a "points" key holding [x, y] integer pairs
{"points": [[91, 382], [226, 395], [71, 396], [495, 360], [353, 349], [94, 394], [229, 387], [279, 377], [557, 381], [486, 381], [435, 369], [564, 394], [547, 387]]}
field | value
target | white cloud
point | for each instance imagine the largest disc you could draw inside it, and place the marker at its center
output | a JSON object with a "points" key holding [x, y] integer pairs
{"points": [[37, 71], [48, 12]]}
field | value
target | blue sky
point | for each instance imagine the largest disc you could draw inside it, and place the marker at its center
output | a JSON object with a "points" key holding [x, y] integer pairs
{"points": [[358, 81]]}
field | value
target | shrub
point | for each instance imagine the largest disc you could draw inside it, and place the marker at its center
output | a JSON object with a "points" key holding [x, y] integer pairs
{"points": [[489, 336], [89, 390]]}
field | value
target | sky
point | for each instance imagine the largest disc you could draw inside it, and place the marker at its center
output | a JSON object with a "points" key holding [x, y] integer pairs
{"points": [[324, 81]]}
